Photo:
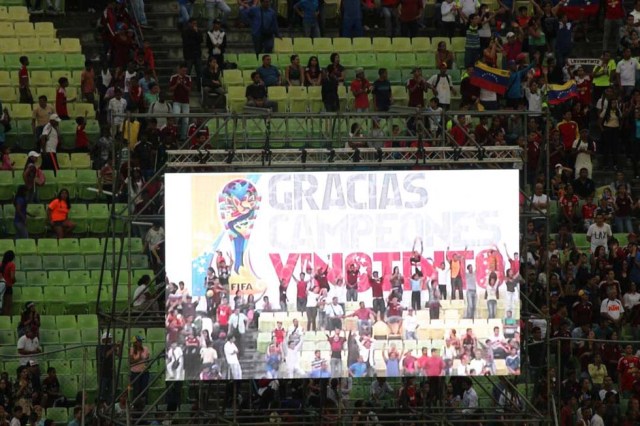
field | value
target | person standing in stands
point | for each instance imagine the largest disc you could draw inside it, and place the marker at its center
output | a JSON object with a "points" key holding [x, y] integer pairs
{"points": [[456, 271], [58, 214], [180, 85], [61, 98], [23, 82], [20, 217], [192, 48], [351, 13], [40, 118], [410, 12], [139, 375], [105, 355], [49, 142], [8, 271], [264, 26]]}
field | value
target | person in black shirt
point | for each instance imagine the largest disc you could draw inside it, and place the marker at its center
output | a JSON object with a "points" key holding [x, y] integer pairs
{"points": [[105, 353], [584, 187], [191, 47], [330, 90], [213, 95], [51, 395], [382, 97], [256, 94]]}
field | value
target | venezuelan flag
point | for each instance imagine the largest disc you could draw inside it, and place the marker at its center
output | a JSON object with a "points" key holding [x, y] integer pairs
{"points": [[559, 93], [579, 9], [489, 78]]}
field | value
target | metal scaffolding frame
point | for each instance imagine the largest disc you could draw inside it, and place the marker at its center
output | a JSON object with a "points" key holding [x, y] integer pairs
{"points": [[231, 147]]}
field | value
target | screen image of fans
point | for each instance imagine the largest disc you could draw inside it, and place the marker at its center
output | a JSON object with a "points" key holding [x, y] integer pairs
{"points": [[342, 274]]}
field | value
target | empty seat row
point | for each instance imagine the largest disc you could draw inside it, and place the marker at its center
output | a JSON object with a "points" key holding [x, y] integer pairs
{"points": [[25, 46], [81, 277], [10, 29], [75, 262], [81, 184], [15, 12], [341, 45], [86, 246]]}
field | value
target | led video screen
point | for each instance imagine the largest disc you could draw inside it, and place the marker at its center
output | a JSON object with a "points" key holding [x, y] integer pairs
{"points": [[342, 274]]}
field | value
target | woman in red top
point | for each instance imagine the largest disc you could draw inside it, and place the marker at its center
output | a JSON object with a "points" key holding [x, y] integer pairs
{"points": [[8, 271], [58, 213]]}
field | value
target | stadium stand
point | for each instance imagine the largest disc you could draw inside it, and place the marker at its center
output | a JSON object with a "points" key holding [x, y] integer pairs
{"points": [[579, 264]]}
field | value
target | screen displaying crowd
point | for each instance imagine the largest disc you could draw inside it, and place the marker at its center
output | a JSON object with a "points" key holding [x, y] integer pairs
{"points": [[394, 307]]}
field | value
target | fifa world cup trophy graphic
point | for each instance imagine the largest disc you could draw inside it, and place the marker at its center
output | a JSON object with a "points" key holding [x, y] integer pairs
{"points": [[239, 203]]}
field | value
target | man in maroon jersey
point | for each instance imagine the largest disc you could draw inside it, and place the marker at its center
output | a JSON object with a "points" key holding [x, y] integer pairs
{"points": [[352, 282], [627, 366], [376, 293]]}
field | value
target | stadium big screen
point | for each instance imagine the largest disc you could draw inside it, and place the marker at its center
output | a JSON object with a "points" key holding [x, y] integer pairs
{"points": [[340, 274]]}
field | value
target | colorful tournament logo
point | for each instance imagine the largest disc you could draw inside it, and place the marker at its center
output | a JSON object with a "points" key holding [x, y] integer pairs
{"points": [[238, 203]]}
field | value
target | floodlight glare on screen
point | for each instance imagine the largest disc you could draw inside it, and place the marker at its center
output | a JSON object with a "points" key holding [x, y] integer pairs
{"points": [[292, 275]]}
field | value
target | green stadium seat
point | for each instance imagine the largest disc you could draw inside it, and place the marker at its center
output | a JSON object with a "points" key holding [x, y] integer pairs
{"points": [[89, 335], [88, 321], [47, 246], [55, 263], [26, 246], [49, 337], [402, 45], [30, 263], [78, 215], [6, 245], [139, 261], [70, 45], [367, 60], [49, 190], [99, 214], [9, 95], [5, 323], [59, 278], [342, 45], [6, 185], [406, 60], [91, 246], [93, 261], [322, 45], [37, 222], [79, 278], [422, 45], [80, 160], [31, 294], [48, 322], [156, 335], [248, 61], [74, 262], [302, 45], [57, 414], [68, 336], [77, 301], [66, 321], [67, 179], [283, 45], [64, 162], [36, 278], [381, 44], [54, 300], [69, 246], [69, 384]]}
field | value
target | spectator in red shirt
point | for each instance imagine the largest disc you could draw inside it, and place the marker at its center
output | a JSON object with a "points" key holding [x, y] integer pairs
{"points": [[23, 82], [61, 99], [627, 365], [569, 206], [613, 20], [459, 131], [222, 315], [588, 212], [417, 86], [365, 316], [434, 365], [201, 138], [375, 281], [361, 87], [180, 85], [410, 14], [513, 47]]}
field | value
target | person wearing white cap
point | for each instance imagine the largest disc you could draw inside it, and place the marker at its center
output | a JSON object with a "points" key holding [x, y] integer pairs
{"points": [[49, 142]]}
